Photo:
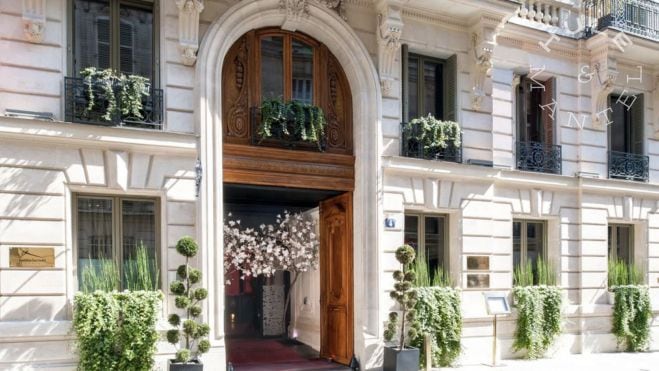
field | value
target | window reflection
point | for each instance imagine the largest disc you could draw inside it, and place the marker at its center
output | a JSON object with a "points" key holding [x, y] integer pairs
{"points": [[302, 72], [272, 67]]}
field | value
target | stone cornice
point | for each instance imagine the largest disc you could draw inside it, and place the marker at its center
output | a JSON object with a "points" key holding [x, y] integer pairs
{"points": [[63, 133]]}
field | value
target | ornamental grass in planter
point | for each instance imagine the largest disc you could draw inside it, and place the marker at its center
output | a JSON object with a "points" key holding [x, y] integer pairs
{"points": [[401, 357], [438, 314], [117, 330], [632, 311], [538, 301]]}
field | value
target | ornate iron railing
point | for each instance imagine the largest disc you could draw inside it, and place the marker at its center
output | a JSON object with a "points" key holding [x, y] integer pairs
{"points": [[279, 138], [628, 166], [540, 157], [77, 108], [637, 17], [412, 148]]}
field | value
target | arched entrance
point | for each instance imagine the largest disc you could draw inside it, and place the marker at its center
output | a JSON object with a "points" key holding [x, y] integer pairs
{"points": [[325, 26], [267, 173]]}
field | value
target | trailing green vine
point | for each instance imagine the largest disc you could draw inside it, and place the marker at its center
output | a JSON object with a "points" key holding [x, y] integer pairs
{"points": [[433, 134], [438, 313], [538, 308], [302, 121], [130, 89], [116, 330], [538, 318], [632, 314]]}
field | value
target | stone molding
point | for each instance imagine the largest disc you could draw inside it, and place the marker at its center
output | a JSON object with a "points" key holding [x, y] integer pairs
{"points": [[188, 29], [34, 20], [606, 73]]}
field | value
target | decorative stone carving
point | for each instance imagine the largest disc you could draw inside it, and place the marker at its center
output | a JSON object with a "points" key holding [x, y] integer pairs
{"points": [[337, 6], [294, 10], [390, 27], [606, 75], [34, 20], [188, 29], [483, 41]]}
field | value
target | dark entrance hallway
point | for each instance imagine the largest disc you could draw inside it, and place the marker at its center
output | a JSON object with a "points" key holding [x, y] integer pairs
{"points": [[252, 344]]}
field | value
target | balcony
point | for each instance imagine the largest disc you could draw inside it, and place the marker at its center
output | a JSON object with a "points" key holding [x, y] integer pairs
{"points": [[280, 139], [629, 166], [636, 17], [539, 157], [77, 106], [411, 147]]}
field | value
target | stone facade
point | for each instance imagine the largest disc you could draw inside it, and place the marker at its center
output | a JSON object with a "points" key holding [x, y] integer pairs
{"points": [[43, 163]]}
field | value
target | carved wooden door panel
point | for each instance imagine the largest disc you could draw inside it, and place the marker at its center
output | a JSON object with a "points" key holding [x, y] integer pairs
{"points": [[336, 296]]}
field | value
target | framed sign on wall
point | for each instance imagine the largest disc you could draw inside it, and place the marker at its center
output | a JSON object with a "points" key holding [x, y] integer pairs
{"points": [[32, 257]]}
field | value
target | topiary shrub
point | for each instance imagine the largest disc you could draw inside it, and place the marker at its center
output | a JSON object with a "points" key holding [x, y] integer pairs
{"points": [[406, 297], [632, 315], [116, 330], [438, 313], [188, 329]]}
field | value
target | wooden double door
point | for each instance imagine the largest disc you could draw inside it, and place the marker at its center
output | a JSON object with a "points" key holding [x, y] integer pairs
{"points": [[336, 278]]}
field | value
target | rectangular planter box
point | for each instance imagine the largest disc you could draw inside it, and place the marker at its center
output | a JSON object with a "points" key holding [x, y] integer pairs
{"points": [[194, 366], [401, 360]]}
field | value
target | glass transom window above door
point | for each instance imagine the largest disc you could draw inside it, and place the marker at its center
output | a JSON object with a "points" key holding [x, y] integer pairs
{"points": [[113, 229], [114, 34], [428, 234], [529, 243], [287, 67]]}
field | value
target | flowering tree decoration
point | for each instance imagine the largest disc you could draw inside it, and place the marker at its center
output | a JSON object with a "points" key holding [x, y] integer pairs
{"points": [[291, 244]]}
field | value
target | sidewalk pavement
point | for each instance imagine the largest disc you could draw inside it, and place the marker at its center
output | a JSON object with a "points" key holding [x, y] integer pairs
{"points": [[590, 362]]}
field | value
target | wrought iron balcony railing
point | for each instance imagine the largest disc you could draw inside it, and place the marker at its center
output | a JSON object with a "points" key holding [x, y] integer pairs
{"points": [[77, 108], [412, 148], [539, 157], [628, 166], [636, 17]]}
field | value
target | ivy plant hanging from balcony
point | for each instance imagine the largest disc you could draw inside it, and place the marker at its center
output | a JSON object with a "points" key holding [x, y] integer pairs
{"points": [[433, 137], [292, 120], [120, 94]]}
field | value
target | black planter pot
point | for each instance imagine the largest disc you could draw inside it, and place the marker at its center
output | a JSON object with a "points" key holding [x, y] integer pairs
{"points": [[401, 360], [191, 366]]}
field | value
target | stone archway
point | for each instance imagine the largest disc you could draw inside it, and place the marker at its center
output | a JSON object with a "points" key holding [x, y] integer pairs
{"points": [[326, 26]]}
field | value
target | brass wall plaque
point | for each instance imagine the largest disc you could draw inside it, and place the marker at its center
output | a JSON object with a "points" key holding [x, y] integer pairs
{"points": [[32, 257], [478, 263], [481, 281]]}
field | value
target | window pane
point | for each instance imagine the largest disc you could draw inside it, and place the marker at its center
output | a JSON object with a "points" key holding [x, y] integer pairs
{"points": [[623, 248], [432, 77], [136, 41], [434, 237], [138, 229], [517, 238], [412, 88], [412, 230], [92, 34], [535, 241], [94, 232], [620, 129], [302, 72], [272, 67]]}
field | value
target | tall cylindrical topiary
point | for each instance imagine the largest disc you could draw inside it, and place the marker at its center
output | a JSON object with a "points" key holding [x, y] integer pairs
{"points": [[189, 332], [405, 296]]}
